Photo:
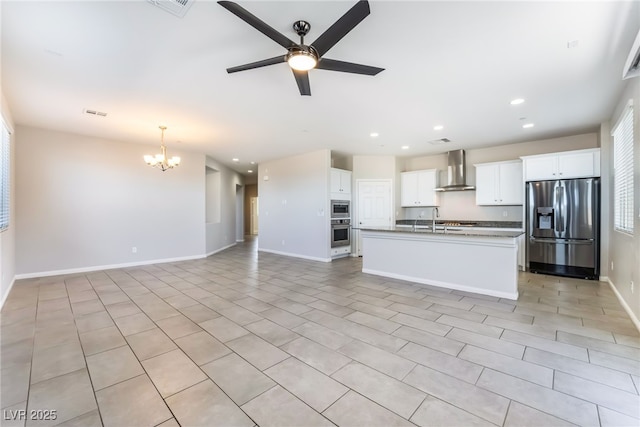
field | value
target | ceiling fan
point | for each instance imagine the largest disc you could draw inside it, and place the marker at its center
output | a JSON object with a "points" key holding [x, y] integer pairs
{"points": [[301, 57]]}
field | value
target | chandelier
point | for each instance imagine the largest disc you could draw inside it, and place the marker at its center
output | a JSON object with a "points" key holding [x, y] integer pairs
{"points": [[160, 160]]}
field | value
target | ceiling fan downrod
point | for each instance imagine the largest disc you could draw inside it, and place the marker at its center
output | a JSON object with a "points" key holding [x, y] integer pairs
{"points": [[302, 29]]}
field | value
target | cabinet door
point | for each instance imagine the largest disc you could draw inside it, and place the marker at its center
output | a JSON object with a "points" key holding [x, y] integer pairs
{"points": [[486, 185], [576, 165], [510, 184], [408, 189], [345, 182], [427, 183], [541, 168], [335, 181]]}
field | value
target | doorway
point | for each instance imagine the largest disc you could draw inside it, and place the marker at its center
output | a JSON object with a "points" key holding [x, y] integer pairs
{"points": [[253, 216]]}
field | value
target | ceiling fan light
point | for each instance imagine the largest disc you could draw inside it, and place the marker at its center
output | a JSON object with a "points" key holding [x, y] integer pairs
{"points": [[302, 60]]}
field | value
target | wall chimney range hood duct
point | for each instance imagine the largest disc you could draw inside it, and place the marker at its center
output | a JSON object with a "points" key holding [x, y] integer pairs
{"points": [[456, 172]]}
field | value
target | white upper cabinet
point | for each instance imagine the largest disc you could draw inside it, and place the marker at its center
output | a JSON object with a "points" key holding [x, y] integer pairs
{"points": [[418, 188], [499, 183], [340, 184], [565, 165]]}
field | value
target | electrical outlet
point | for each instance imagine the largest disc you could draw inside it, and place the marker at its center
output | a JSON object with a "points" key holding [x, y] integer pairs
{"points": [[283, 243], [505, 213], [134, 250]]}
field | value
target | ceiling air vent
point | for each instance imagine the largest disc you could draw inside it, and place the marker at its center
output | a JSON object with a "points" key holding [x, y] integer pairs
{"points": [[439, 141], [95, 113], [178, 8]]}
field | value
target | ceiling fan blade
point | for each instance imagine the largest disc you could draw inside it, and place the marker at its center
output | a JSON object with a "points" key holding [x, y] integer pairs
{"points": [[257, 23], [347, 67], [302, 78], [341, 27], [257, 64]]}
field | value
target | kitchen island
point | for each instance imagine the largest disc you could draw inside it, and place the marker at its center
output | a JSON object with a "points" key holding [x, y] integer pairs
{"points": [[479, 261]]}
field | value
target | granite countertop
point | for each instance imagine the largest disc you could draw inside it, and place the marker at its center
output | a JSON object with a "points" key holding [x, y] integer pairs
{"points": [[483, 224], [449, 231]]}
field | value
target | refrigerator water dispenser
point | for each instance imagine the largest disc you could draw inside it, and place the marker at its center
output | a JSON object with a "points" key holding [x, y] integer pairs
{"points": [[544, 218]]}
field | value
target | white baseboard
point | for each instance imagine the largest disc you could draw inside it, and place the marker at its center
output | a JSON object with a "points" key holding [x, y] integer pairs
{"points": [[624, 305], [4, 297], [220, 250], [295, 255], [104, 267]]}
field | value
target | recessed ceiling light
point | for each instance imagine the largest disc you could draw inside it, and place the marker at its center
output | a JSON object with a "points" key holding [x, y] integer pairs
{"points": [[253, 163], [438, 127], [405, 147], [250, 171], [235, 160], [374, 134], [517, 101], [528, 125]]}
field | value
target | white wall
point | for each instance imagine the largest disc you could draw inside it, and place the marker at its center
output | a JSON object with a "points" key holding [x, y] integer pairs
{"points": [[294, 205], [7, 237], [83, 203], [624, 250], [462, 204]]}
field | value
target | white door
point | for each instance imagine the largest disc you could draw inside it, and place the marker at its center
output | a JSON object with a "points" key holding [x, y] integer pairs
{"points": [[374, 205]]}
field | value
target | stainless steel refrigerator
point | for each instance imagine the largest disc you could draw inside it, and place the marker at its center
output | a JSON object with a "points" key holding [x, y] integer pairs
{"points": [[563, 227]]}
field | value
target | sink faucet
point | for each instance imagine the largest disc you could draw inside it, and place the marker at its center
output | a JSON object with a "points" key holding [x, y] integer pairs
{"points": [[434, 214], [415, 223]]}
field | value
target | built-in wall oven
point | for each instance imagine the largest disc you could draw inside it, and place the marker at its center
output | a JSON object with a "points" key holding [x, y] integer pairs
{"points": [[340, 209], [340, 232]]}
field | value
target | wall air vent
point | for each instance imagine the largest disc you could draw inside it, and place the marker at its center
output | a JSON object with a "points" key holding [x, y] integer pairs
{"points": [[95, 113], [178, 8], [632, 66], [439, 141]]}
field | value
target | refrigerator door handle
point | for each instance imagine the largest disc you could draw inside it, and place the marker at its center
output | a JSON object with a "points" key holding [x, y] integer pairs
{"points": [[556, 208], [561, 241], [563, 204]]}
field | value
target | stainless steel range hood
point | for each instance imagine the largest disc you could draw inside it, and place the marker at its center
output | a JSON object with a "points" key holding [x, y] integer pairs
{"points": [[456, 172]]}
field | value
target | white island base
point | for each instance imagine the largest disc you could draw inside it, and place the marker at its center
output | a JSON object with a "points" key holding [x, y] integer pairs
{"points": [[483, 264]]}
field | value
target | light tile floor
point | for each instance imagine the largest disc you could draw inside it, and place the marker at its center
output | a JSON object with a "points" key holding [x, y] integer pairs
{"points": [[242, 338]]}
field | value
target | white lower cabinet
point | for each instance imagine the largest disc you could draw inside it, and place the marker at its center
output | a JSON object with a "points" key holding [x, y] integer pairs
{"points": [[340, 250]]}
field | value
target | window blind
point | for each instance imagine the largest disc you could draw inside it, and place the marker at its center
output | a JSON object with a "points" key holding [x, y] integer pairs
{"points": [[623, 171], [5, 164]]}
